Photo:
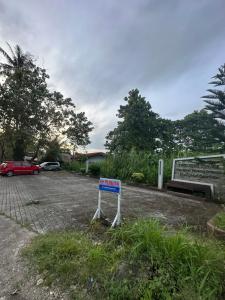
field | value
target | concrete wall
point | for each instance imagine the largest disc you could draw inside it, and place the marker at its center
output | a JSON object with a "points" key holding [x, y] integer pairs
{"points": [[209, 169]]}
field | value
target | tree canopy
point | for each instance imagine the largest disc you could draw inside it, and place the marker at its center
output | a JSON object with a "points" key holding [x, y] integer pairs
{"points": [[137, 126], [30, 114], [199, 132], [140, 128]]}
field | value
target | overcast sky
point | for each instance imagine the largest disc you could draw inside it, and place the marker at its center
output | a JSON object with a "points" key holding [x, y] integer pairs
{"points": [[95, 51]]}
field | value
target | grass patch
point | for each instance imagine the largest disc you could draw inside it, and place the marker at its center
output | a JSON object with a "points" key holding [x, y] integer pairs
{"points": [[142, 260], [219, 220]]}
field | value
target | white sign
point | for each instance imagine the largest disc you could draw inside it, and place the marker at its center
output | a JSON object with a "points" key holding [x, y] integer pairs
{"points": [[111, 186]]}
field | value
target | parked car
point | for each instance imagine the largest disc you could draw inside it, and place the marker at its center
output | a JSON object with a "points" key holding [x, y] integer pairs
{"points": [[11, 168], [50, 166]]}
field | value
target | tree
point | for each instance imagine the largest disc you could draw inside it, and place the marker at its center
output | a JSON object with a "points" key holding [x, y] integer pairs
{"points": [[137, 127], [166, 136], [30, 114], [78, 132], [17, 63], [199, 132], [216, 99], [53, 151]]}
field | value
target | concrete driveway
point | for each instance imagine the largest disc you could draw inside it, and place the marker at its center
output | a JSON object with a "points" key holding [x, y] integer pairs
{"points": [[60, 200]]}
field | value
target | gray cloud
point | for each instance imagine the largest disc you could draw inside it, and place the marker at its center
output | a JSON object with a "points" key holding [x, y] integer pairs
{"points": [[95, 51]]}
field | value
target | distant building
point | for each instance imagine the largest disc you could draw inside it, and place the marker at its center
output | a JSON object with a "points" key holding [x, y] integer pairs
{"points": [[66, 156], [90, 157]]}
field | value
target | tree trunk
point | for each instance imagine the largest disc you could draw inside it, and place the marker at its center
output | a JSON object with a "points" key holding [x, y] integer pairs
{"points": [[19, 149]]}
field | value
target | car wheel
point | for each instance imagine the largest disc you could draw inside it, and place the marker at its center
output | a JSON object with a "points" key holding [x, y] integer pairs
{"points": [[35, 172], [9, 173]]}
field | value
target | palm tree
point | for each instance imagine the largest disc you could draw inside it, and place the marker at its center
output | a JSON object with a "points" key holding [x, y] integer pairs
{"points": [[216, 99], [16, 63]]}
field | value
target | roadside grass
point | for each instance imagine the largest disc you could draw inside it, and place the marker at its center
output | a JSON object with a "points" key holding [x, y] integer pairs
{"points": [[141, 260], [219, 220]]}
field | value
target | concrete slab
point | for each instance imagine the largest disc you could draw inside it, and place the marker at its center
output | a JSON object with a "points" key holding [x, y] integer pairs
{"points": [[60, 200]]}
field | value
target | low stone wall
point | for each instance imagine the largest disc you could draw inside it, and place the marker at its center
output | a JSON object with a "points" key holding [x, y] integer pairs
{"points": [[217, 232]]}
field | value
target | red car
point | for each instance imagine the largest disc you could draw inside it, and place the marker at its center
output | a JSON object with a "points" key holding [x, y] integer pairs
{"points": [[11, 168]]}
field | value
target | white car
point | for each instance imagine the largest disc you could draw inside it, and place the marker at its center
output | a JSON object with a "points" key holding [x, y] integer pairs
{"points": [[50, 166]]}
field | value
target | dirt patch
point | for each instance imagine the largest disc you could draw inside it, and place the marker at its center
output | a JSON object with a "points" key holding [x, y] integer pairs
{"points": [[16, 283]]}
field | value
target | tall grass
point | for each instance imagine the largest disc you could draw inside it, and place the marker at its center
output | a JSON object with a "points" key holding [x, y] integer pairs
{"points": [[75, 166], [142, 260], [219, 220], [123, 165], [181, 266]]}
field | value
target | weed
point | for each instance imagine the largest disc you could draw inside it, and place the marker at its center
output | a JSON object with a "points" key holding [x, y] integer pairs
{"points": [[141, 260], [219, 220]]}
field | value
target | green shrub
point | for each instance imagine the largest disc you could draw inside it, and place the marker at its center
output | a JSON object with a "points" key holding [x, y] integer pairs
{"points": [[138, 177], [74, 166], [94, 169], [82, 170], [219, 220]]}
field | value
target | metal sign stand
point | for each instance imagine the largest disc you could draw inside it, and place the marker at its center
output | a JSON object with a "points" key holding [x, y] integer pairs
{"points": [[98, 214], [117, 220], [99, 211]]}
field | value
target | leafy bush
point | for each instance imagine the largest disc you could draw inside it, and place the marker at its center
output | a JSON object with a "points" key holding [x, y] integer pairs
{"points": [[123, 165], [219, 220], [94, 169], [82, 170], [138, 177], [142, 260]]}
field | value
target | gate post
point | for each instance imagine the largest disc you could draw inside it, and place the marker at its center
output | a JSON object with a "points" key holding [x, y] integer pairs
{"points": [[160, 174]]}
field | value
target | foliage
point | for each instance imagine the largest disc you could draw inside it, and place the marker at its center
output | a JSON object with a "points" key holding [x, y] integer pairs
{"points": [[94, 169], [137, 128], [200, 131], [30, 114], [82, 170], [141, 129], [219, 220], [216, 99], [74, 166], [138, 177], [123, 165], [142, 260], [53, 152]]}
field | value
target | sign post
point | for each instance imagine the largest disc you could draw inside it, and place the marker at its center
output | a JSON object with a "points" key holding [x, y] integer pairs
{"points": [[112, 186]]}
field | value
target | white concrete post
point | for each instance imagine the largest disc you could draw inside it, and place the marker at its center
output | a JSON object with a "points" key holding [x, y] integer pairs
{"points": [[160, 174], [87, 166]]}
